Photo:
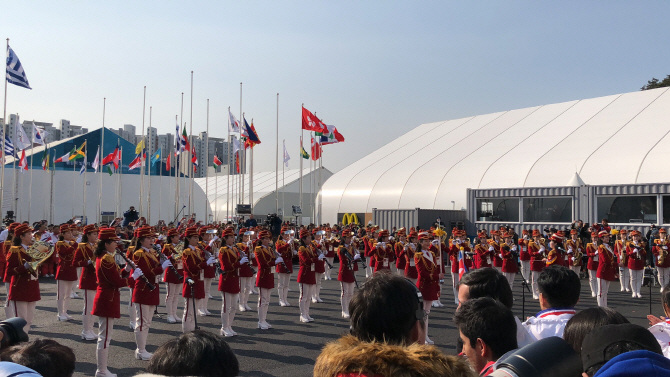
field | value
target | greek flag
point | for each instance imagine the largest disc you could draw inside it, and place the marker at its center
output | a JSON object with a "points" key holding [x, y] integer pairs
{"points": [[9, 147], [15, 73]]}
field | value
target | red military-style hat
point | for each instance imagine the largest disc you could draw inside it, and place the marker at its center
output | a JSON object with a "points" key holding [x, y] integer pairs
{"points": [[12, 226], [635, 233], [524, 231], [304, 232], [603, 233], [424, 236], [203, 229], [346, 233], [401, 232], [21, 229], [228, 232], [557, 238], [624, 231], [505, 235], [264, 234], [191, 231], [242, 231], [573, 231], [172, 232], [536, 233], [413, 234], [105, 234], [594, 234], [482, 234], [145, 231], [65, 228], [495, 233], [383, 233], [90, 229], [284, 229], [560, 234], [662, 230]]}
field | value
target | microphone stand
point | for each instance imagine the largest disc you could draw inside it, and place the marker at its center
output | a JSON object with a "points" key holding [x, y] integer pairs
{"points": [[176, 217], [195, 315]]}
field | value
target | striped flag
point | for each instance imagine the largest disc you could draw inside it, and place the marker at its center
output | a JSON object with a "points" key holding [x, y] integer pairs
{"points": [[15, 73], [9, 147], [66, 157], [45, 159], [462, 267], [217, 161], [23, 163]]}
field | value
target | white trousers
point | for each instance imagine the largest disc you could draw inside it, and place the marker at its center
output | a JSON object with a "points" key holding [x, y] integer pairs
{"points": [[663, 276], [593, 282], [368, 270], [536, 275], [143, 320], [63, 295], [603, 288], [246, 286], [205, 301], [188, 318], [282, 287], [525, 269], [172, 299], [347, 294], [576, 269], [229, 302], [263, 304], [510, 278], [426, 309], [106, 327], [636, 277], [317, 288], [329, 270], [306, 292], [132, 314], [86, 316], [624, 279], [23, 309], [454, 285]]}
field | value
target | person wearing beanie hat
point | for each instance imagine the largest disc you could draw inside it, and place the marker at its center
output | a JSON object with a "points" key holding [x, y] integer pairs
{"points": [[246, 271], [285, 248], [88, 282], [606, 267], [173, 281], [620, 247], [660, 251], [306, 275], [230, 260], [538, 256], [428, 280], [193, 290], [66, 274], [592, 263], [622, 350], [637, 258], [408, 253], [24, 291]]}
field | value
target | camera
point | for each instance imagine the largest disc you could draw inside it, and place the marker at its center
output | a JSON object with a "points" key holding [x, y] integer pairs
{"points": [[12, 329], [532, 360]]}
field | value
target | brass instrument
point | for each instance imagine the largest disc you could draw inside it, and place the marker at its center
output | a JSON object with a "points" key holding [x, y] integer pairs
{"points": [[578, 257], [216, 262], [662, 253], [178, 250], [622, 254], [40, 251], [134, 266], [319, 251], [163, 258], [242, 253], [274, 251]]}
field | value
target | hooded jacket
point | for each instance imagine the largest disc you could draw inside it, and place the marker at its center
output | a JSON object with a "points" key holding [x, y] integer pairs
{"points": [[350, 357]]}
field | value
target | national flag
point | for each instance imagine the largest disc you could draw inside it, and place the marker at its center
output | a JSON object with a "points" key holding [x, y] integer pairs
{"points": [[303, 153], [9, 147], [38, 135], [233, 124], [79, 153], [96, 162], [113, 158], [22, 140], [139, 147], [311, 123], [237, 162], [167, 162], [156, 157], [45, 159], [316, 150], [66, 157], [15, 73], [23, 163], [217, 162], [83, 167], [185, 146], [332, 137], [236, 145], [176, 140], [194, 159], [286, 156], [252, 136], [462, 268], [136, 163], [109, 170]]}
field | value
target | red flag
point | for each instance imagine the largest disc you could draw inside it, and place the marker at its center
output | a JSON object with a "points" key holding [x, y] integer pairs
{"points": [[112, 158], [316, 150], [23, 162], [217, 162], [249, 142], [311, 123], [237, 161], [167, 163]]}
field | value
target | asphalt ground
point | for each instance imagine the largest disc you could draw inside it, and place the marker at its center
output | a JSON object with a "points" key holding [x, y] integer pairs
{"points": [[291, 347]]}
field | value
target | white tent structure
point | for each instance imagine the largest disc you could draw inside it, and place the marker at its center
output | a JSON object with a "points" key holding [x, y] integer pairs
{"points": [[617, 139], [264, 198]]}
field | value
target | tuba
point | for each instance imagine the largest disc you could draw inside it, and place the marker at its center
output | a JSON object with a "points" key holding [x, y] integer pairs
{"points": [[662, 253], [40, 251], [623, 255]]}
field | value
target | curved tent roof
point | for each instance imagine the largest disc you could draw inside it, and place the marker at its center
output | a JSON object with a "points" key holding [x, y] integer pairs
{"points": [[617, 139]]}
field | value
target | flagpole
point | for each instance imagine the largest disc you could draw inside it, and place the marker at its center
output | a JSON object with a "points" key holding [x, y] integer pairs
{"points": [[4, 137], [160, 186], [239, 181], [102, 149], [15, 186], [149, 168], [84, 201], [144, 103], [176, 175], [251, 175], [301, 158], [30, 189], [277, 165], [320, 181], [311, 180], [206, 165], [74, 181], [51, 197], [190, 186], [120, 191], [283, 186], [228, 156]]}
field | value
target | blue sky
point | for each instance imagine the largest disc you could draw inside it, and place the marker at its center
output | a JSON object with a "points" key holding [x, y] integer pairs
{"points": [[374, 69]]}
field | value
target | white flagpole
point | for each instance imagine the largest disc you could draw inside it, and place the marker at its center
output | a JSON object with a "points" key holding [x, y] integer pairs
{"points": [[206, 166], [149, 168], [144, 103], [320, 183], [176, 174], [277, 164], [84, 201], [15, 186], [190, 172], [4, 137], [120, 179], [301, 158], [74, 181], [30, 189], [228, 156], [102, 149], [239, 180], [251, 176], [283, 186], [51, 197]]}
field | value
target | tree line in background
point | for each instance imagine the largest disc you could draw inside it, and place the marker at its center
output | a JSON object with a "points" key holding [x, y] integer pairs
{"points": [[655, 83]]}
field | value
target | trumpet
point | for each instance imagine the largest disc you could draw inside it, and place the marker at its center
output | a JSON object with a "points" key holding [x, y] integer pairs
{"points": [[320, 252], [277, 255], [134, 266], [163, 258], [40, 251], [242, 253], [216, 263]]}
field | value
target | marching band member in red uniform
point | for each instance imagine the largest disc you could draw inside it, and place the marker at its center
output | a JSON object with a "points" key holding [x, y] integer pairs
{"points": [[399, 247], [144, 298], [84, 257], [320, 265], [620, 246], [524, 255], [348, 267], [637, 257], [592, 263], [210, 271], [24, 289], [265, 279], [194, 264], [286, 249], [368, 240], [408, 252], [576, 251], [173, 281], [429, 276], [606, 267], [484, 255], [509, 266], [494, 246], [106, 303], [382, 252], [331, 245], [229, 282], [537, 251], [554, 256], [440, 250], [246, 272], [66, 274], [132, 314], [6, 277], [660, 251], [457, 243], [306, 275]]}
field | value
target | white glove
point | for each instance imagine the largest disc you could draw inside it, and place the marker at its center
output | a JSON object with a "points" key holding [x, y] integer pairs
{"points": [[513, 248], [435, 242], [127, 267], [166, 264], [580, 249], [570, 251], [295, 252], [26, 266], [322, 257], [244, 260], [279, 260], [636, 252], [90, 262], [500, 255], [137, 273], [542, 249], [211, 261], [491, 248], [357, 257], [457, 242], [665, 248]]}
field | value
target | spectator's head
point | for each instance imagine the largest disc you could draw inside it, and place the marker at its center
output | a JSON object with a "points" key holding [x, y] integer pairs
{"points": [[559, 287], [585, 321], [196, 353], [387, 309], [45, 356], [606, 342], [485, 282], [132, 208], [487, 329]]}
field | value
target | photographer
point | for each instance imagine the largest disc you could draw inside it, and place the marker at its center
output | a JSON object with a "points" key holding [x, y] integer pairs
{"points": [[130, 216], [251, 222]]}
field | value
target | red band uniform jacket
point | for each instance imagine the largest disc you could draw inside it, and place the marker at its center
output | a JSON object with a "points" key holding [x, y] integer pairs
{"points": [[229, 259], [194, 264], [23, 286], [66, 271], [347, 269], [82, 255], [265, 260], [107, 301], [308, 258], [151, 267]]}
